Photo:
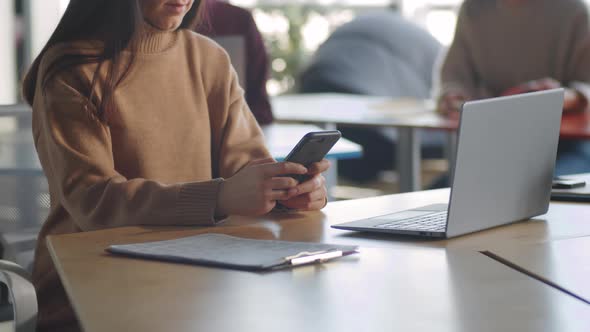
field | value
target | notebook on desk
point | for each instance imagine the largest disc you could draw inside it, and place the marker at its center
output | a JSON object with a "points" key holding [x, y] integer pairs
{"points": [[581, 194], [232, 252]]}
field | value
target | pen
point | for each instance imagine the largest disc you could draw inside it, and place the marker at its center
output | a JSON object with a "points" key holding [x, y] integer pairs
{"points": [[313, 257]]}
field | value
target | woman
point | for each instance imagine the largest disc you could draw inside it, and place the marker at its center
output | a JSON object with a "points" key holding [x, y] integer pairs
{"points": [[138, 121]]}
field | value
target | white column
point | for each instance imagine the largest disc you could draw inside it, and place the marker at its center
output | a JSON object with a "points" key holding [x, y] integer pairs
{"points": [[41, 18], [8, 79]]}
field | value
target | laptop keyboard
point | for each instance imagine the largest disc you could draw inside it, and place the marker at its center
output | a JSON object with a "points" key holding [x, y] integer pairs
{"points": [[433, 222]]}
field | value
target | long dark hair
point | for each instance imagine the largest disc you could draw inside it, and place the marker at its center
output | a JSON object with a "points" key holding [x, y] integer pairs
{"points": [[116, 24]]}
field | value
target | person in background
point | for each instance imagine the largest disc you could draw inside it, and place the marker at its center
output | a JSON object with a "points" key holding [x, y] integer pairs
{"points": [[139, 121], [504, 47], [380, 54], [225, 19]]}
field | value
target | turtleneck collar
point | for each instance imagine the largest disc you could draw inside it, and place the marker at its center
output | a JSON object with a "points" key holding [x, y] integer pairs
{"points": [[154, 40]]}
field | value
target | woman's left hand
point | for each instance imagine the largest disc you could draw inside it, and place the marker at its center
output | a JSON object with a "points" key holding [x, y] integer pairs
{"points": [[311, 194]]}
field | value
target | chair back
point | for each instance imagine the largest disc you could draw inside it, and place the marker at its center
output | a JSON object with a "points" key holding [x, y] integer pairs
{"points": [[235, 46], [22, 296]]}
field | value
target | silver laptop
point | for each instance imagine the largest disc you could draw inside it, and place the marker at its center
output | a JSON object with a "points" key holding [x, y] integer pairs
{"points": [[503, 170]]}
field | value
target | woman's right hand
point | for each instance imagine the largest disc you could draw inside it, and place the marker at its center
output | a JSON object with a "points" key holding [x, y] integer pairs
{"points": [[256, 188]]}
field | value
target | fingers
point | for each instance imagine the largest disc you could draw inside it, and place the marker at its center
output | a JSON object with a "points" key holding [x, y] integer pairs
{"points": [[319, 167], [310, 201], [316, 182], [279, 195], [284, 182], [444, 108], [281, 188], [549, 83], [450, 103], [316, 205], [571, 95], [455, 103], [309, 195], [284, 168], [574, 102], [542, 84]]}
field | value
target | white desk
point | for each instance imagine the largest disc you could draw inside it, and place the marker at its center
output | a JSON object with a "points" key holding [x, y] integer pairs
{"points": [[406, 115]]}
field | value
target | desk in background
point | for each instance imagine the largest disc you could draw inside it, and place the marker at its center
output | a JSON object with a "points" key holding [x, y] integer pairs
{"points": [[406, 115], [401, 284]]}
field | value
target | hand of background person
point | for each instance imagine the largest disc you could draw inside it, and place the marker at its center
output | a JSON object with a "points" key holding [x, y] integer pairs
{"points": [[256, 188], [311, 194], [450, 103], [532, 86], [573, 100]]}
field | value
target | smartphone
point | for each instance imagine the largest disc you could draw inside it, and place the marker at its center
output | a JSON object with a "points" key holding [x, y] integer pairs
{"points": [[313, 147], [568, 184]]}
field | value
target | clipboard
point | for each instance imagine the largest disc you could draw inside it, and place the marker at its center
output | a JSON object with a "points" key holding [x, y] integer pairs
{"points": [[226, 251]]}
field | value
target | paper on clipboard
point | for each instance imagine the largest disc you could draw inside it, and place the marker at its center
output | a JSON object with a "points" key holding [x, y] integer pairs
{"points": [[233, 252]]}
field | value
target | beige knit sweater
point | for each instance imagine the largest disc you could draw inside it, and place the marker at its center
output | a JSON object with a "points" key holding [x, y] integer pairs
{"points": [[181, 125], [497, 47]]}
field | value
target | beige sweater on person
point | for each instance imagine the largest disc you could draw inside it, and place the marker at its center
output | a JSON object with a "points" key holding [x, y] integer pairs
{"points": [[497, 46], [181, 125]]}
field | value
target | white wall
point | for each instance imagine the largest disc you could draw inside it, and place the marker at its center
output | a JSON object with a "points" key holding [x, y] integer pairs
{"points": [[7, 53]]}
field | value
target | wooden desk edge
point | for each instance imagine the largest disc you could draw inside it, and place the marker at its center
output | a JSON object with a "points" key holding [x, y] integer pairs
{"points": [[63, 277]]}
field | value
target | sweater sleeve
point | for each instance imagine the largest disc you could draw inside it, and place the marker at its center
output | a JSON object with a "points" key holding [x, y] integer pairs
{"points": [[81, 166], [457, 72], [240, 139]]}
